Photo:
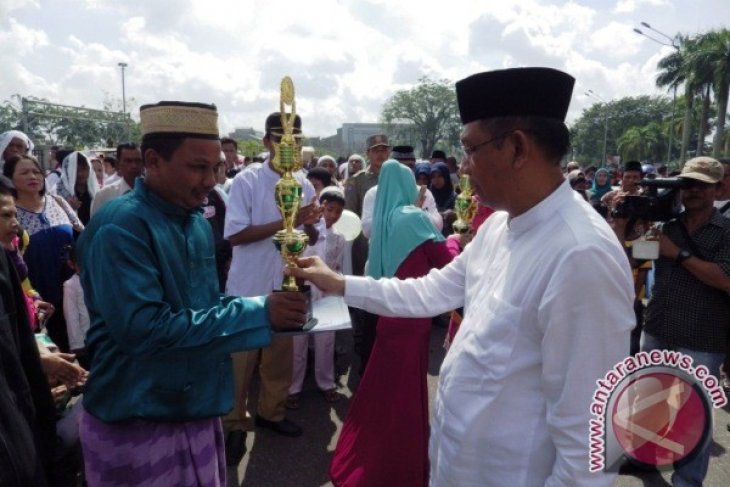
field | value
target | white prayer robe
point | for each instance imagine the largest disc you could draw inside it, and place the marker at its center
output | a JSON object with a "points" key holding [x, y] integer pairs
{"points": [[548, 300]]}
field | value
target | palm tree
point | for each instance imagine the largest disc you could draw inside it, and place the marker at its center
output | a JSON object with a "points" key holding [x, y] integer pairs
{"points": [[714, 46], [631, 144], [674, 70], [700, 67], [654, 142]]}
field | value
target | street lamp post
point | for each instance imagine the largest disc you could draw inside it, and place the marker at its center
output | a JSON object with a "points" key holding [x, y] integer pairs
{"points": [[124, 100], [673, 44], [605, 123]]}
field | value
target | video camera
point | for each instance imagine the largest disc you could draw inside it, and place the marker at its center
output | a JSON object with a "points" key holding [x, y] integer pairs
{"points": [[660, 201]]}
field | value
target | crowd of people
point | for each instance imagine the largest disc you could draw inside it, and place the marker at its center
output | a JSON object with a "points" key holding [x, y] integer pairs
{"points": [[138, 298]]}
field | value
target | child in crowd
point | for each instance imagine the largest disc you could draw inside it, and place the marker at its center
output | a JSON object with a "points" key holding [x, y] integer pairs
{"points": [[330, 247], [75, 312]]}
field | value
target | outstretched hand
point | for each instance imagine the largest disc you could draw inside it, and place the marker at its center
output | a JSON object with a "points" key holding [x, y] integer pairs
{"points": [[60, 368], [287, 310], [312, 269]]}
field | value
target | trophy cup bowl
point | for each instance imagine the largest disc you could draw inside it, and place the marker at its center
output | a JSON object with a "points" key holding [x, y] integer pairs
{"points": [[290, 245]]}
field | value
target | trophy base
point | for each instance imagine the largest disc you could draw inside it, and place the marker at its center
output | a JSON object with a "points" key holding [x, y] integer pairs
{"points": [[310, 321]]}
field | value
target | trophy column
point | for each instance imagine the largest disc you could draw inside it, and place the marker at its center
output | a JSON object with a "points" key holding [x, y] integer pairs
{"points": [[286, 160]]}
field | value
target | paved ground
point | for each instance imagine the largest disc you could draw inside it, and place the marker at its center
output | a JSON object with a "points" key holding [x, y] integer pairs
{"points": [[302, 462]]}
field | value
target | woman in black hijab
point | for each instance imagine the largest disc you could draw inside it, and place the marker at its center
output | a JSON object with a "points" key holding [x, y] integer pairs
{"points": [[444, 194]]}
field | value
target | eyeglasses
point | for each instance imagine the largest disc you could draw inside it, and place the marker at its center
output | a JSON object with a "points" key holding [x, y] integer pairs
{"points": [[470, 151], [695, 184]]}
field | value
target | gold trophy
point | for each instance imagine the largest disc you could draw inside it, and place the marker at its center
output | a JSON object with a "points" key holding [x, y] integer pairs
{"points": [[465, 207], [286, 160]]}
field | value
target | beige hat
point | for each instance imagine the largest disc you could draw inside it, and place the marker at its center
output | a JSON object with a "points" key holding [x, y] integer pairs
{"points": [[179, 119], [705, 169], [376, 140]]}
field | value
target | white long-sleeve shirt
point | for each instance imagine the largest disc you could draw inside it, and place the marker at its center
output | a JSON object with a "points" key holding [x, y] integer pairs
{"points": [[368, 206], [75, 312], [548, 300]]}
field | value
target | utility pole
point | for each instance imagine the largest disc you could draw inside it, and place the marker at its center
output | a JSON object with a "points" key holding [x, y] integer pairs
{"points": [[124, 100], [605, 123]]}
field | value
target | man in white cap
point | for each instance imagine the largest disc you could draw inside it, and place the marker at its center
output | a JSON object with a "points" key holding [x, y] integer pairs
{"points": [[514, 395]]}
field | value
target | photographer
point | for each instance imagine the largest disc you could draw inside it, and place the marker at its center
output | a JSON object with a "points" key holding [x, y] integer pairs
{"points": [[689, 306]]}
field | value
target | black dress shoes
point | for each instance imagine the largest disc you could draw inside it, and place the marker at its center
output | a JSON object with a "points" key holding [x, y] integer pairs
{"points": [[235, 447], [283, 427]]}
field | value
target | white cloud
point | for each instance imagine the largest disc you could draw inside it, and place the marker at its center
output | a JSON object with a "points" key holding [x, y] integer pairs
{"points": [[7, 6], [18, 43], [346, 56], [628, 6], [20, 40], [616, 40]]}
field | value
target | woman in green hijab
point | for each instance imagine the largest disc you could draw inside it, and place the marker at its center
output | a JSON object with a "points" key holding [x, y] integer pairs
{"points": [[388, 417]]}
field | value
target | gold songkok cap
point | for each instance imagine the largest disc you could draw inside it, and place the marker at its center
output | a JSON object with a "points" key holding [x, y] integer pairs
{"points": [[179, 119]]}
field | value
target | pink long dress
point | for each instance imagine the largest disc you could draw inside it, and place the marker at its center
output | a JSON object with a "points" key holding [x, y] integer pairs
{"points": [[384, 440]]}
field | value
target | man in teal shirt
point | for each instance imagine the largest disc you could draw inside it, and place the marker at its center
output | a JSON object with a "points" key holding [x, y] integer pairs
{"points": [[161, 335]]}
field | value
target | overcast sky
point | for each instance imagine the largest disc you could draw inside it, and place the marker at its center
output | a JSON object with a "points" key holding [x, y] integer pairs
{"points": [[346, 57]]}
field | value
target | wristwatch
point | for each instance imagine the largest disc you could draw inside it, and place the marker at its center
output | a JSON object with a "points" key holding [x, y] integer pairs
{"points": [[683, 255]]}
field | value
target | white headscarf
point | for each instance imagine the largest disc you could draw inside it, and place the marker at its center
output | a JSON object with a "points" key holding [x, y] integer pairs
{"points": [[7, 137], [68, 174]]}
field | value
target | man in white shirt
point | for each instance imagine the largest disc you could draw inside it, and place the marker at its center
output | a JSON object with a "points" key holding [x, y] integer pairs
{"points": [[252, 219], [129, 168], [514, 395]]}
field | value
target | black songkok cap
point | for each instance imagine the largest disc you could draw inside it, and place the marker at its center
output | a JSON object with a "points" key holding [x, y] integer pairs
{"points": [[531, 92], [438, 154], [403, 152], [633, 166], [273, 124]]}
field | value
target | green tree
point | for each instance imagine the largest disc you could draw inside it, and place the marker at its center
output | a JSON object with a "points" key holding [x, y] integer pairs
{"points": [[73, 127], [701, 64], [698, 78], [430, 107], [587, 132], [674, 71], [250, 148], [714, 50], [643, 143]]}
